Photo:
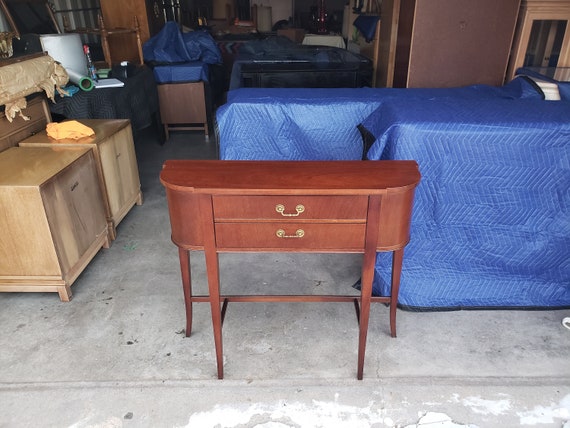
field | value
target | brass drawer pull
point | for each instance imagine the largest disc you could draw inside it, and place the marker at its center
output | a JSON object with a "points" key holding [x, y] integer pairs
{"points": [[281, 210], [299, 233]]}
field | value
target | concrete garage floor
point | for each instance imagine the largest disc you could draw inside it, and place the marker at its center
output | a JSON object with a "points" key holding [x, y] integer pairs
{"points": [[116, 355]]}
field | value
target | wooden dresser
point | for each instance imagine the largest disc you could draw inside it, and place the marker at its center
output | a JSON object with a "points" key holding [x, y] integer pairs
{"points": [[289, 206], [115, 157]]}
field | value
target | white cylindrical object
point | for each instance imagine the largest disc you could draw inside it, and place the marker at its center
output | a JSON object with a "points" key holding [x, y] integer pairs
{"points": [[81, 80], [264, 23]]}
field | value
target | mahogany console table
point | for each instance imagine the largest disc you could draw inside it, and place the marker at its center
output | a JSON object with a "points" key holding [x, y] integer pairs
{"points": [[295, 206]]}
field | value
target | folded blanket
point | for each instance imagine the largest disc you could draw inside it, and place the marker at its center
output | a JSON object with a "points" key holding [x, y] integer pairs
{"points": [[68, 130]]}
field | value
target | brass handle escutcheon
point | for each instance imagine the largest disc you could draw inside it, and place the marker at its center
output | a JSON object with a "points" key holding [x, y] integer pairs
{"points": [[281, 210], [299, 233]]}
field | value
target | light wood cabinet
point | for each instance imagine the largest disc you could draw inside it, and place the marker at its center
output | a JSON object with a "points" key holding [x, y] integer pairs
{"points": [[116, 163], [51, 216], [543, 35]]}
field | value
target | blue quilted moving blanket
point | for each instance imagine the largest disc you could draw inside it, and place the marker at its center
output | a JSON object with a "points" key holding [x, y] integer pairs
{"points": [[320, 123], [491, 225]]}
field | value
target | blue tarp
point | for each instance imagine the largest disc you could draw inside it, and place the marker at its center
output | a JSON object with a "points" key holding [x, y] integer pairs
{"points": [[192, 71], [171, 46], [321, 124], [491, 222]]}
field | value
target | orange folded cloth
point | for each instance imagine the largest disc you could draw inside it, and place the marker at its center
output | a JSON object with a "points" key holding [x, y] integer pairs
{"points": [[71, 129]]}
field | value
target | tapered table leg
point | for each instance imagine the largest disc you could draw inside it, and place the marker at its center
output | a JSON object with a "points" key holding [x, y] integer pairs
{"points": [[184, 256], [368, 262], [397, 258], [212, 267]]}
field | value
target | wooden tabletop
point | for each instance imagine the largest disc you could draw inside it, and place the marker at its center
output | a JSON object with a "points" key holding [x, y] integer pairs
{"points": [[330, 177]]}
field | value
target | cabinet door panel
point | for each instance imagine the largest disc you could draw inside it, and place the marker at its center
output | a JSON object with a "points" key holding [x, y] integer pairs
{"points": [[26, 248], [119, 164], [75, 219]]}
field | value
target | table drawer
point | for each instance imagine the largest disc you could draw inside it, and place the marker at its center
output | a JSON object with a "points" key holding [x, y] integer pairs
{"points": [[293, 235], [294, 208]]}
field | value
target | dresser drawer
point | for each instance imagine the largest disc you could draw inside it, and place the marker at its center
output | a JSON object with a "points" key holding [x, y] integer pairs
{"points": [[290, 207], [293, 235], [19, 129]]}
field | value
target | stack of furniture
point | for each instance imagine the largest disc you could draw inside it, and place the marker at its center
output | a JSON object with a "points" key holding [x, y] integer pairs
{"points": [[52, 216], [186, 67], [61, 200]]}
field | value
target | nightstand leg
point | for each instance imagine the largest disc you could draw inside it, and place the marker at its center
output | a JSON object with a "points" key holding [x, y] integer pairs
{"points": [[184, 256], [397, 258]]}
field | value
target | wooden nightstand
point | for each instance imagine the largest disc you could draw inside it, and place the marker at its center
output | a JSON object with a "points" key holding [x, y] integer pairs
{"points": [[52, 218], [183, 107], [116, 162]]}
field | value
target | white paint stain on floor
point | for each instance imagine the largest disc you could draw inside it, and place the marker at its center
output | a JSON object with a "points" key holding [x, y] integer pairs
{"points": [[499, 406], [439, 420], [547, 414], [284, 414]]}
